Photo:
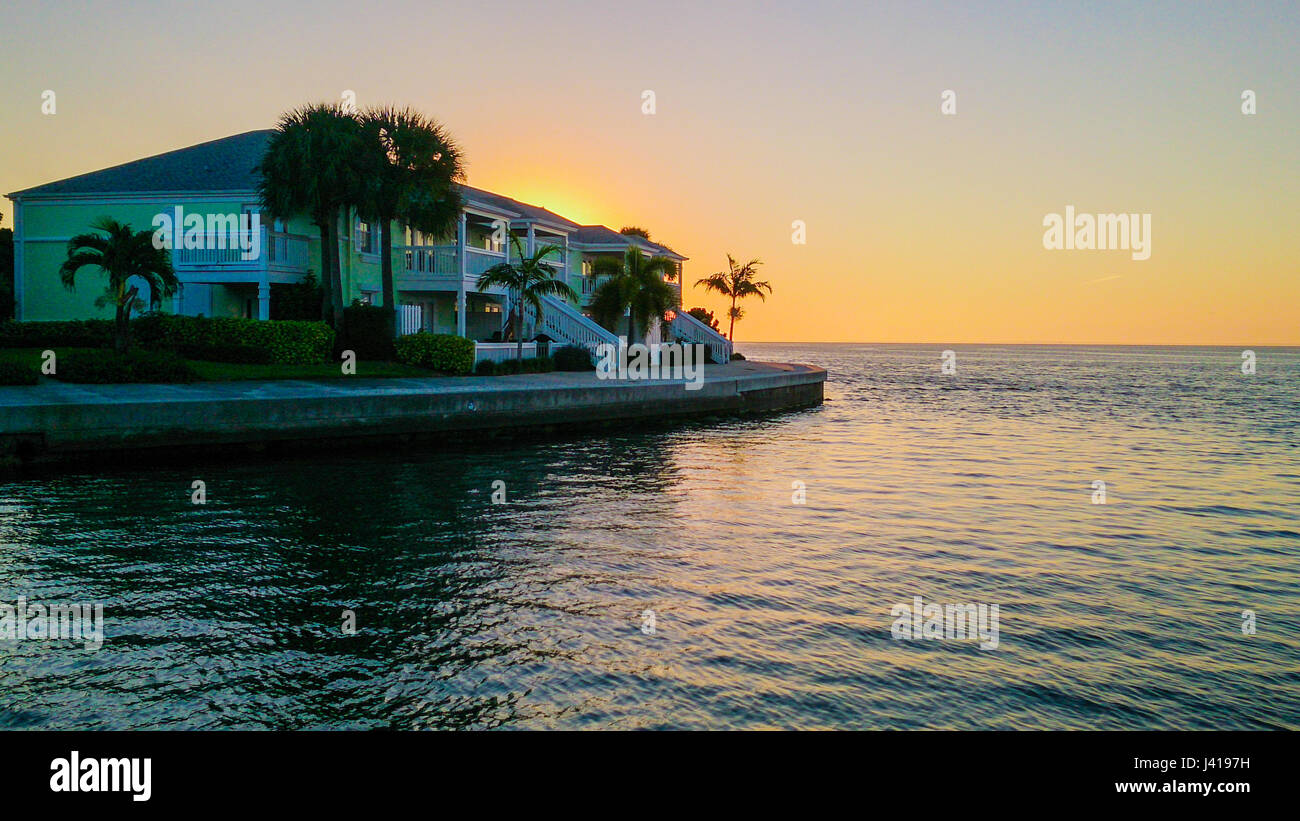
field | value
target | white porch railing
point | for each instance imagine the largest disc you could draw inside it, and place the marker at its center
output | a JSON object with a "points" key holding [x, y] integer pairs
{"points": [[502, 351], [564, 323], [687, 328]]}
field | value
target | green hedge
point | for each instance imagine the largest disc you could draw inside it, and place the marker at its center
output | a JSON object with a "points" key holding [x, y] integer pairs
{"points": [[573, 358], [286, 342], [368, 332], [16, 373], [440, 352], [90, 333], [107, 366]]}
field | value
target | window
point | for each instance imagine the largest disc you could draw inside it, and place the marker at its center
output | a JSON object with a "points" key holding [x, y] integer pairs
{"points": [[365, 242], [369, 297]]}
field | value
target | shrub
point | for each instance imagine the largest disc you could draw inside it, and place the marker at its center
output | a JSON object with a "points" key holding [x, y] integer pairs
{"points": [[368, 331], [738, 355], [16, 373], [287, 342], [573, 358], [90, 333], [298, 300], [107, 367], [486, 368], [440, 352]]}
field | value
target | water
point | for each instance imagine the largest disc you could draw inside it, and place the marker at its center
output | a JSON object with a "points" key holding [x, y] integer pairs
{"points": [[975, 488]]}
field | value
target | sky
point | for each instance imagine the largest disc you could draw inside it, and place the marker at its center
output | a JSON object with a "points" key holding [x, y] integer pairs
{"points": [[920, 226]]}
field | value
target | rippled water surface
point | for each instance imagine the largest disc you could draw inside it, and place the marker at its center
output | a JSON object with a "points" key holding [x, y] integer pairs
{"points": [[972, 488]]}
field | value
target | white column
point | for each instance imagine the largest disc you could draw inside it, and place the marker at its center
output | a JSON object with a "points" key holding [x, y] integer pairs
{"points": [[564, 272], [460, 290], [18, 259], [263, 300], [532, 240]]}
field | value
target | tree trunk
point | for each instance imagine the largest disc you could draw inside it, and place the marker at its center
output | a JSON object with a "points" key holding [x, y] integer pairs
{"points": [[336, 275], [326, 267], [519, 332], [631, 326], [386, 269], [731, 329], [121, 330]]}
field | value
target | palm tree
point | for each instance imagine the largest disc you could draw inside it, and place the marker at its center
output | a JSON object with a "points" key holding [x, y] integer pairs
{"points": [[736, 282], [527, 280], [637, 287], [410, 163], [121, 254], [310, 167]]}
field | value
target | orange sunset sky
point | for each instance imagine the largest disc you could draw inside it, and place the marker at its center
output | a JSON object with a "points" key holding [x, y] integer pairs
{"points": [[921, 227]]}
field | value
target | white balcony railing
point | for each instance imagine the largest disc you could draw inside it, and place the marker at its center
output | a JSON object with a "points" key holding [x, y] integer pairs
{"points": [[276, 250], [443, 260]]}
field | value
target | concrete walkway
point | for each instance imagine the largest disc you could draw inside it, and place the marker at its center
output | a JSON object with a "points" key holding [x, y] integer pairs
{"points": [[53, 392], [56, 420]]}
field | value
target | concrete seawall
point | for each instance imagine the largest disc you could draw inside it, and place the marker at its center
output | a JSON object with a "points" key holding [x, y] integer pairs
{"points": [[55, 422]]}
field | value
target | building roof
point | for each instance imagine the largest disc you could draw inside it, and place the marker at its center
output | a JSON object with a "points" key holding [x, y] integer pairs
{"points": [[228, 164], [600, 235], [534, 213], [231, 164]]}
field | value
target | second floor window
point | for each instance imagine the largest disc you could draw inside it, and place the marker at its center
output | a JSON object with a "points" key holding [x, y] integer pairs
{"points": [[365, 238]]}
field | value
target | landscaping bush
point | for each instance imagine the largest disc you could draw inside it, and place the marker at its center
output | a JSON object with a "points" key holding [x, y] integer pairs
{"points": [[90, 333], [286, 342], [738, 355], [486, 368], [440, 352], [297, 300], [573, 358], [16, 373], [110, 367], [237, 354], [368, 331]]}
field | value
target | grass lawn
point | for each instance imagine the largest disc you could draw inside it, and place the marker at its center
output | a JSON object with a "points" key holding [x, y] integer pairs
{"points": [[32, 356], [230, 372]]}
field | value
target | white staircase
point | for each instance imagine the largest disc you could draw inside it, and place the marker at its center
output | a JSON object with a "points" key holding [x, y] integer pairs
{"points": [[687, 328], [564, 323]]}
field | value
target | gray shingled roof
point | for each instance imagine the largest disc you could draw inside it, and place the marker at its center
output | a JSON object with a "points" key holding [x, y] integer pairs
{"points": [[228, 164], [602, 235]]}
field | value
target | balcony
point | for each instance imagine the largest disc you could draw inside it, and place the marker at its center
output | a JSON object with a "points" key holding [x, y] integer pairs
{"points": [[222, 257], [437, 267]]}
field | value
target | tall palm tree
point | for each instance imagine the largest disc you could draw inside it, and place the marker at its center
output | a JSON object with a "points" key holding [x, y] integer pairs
{"points": [[410, 166], [528, 280], [636, 286], [736, 282], [310, 167], [121, 254]]}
